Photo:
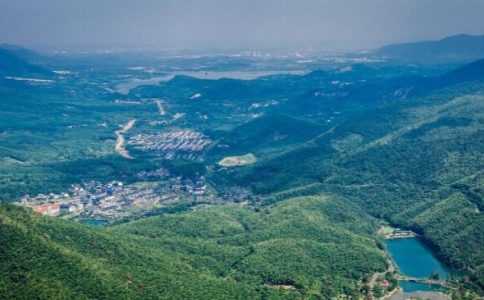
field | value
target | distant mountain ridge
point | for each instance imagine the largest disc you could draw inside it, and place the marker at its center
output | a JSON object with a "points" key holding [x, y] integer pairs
{"points": [[459, 47], [11, 64], [21, 52], [468, 73], [472, 71]]}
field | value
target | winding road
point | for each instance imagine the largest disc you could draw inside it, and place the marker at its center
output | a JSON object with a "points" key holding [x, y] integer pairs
{"points": [[120, 141]]}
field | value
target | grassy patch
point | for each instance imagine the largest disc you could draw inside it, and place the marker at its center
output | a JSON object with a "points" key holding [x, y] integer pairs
{"points": [[388, 229]]}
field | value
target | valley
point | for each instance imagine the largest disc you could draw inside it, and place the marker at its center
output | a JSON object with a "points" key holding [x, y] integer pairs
{"points": [[265, 177]]}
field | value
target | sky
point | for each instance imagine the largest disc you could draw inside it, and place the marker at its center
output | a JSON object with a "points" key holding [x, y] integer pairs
{"points": [[235, 23]]}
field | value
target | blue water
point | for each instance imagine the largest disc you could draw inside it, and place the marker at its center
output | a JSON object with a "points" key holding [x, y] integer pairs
{"points": [[414, 259], [125, 87], [409, 287], [92, 222]]}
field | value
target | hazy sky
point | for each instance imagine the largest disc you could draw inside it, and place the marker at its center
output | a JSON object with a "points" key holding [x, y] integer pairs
{"points": [[235, 23]]}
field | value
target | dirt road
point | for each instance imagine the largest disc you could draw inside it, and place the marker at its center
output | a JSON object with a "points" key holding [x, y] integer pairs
{"points": [[120, 141]]}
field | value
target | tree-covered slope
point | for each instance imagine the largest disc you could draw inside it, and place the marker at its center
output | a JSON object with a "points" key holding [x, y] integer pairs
{"points": [[11, 65], [467, 73], [459, 47], [320, 246], [267, 134], [23, 53], [416, 162]]}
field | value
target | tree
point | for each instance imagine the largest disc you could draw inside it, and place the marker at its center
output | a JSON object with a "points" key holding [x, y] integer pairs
{"points": [[435, 275]]}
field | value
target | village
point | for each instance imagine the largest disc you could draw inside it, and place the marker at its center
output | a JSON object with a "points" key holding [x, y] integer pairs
{"points": [[180, 144], [114, 201]]}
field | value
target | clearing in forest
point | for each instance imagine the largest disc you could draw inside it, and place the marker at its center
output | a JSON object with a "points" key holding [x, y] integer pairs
{"points": [[233, 161]]}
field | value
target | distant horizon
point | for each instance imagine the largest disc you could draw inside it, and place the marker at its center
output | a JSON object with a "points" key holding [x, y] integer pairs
{"points": [[248, 24], [86, 48]]}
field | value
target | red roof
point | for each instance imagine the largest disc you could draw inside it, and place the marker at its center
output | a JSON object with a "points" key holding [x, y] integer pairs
{"points": [[40, 209], [45, 207]]}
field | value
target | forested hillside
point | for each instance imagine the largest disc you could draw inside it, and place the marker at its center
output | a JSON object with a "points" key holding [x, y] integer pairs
{"points": [[317, 246], [417, 162], [12, 65], [458, 47]]}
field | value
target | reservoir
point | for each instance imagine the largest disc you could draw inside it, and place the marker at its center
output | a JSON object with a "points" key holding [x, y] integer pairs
{"points": [[414, 259], [125, 87]]}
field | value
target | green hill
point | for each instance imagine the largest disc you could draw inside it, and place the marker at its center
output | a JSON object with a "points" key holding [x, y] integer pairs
{"points": [[269, 133], [320, 246], [22, 53], [461, 47], [416, 162], [467, 73], [13, 66]]}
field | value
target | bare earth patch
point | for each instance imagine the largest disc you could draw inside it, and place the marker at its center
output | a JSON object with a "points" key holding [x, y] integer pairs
{"points": [[234, 161]]}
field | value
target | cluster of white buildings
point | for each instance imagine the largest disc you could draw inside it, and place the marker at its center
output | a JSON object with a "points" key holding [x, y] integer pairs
{"points": [[185, 144]]}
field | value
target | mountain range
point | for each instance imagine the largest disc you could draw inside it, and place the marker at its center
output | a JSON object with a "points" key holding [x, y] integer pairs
{"points": [[15, 65], [461, 47]]}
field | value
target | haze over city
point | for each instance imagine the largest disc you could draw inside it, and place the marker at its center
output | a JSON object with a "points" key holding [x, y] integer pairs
{"points": [[235, 24]]}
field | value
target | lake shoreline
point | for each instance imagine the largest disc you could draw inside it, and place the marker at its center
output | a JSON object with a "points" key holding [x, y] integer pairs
{"points": [[414, 259], [399, 294], [125, 87]]}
